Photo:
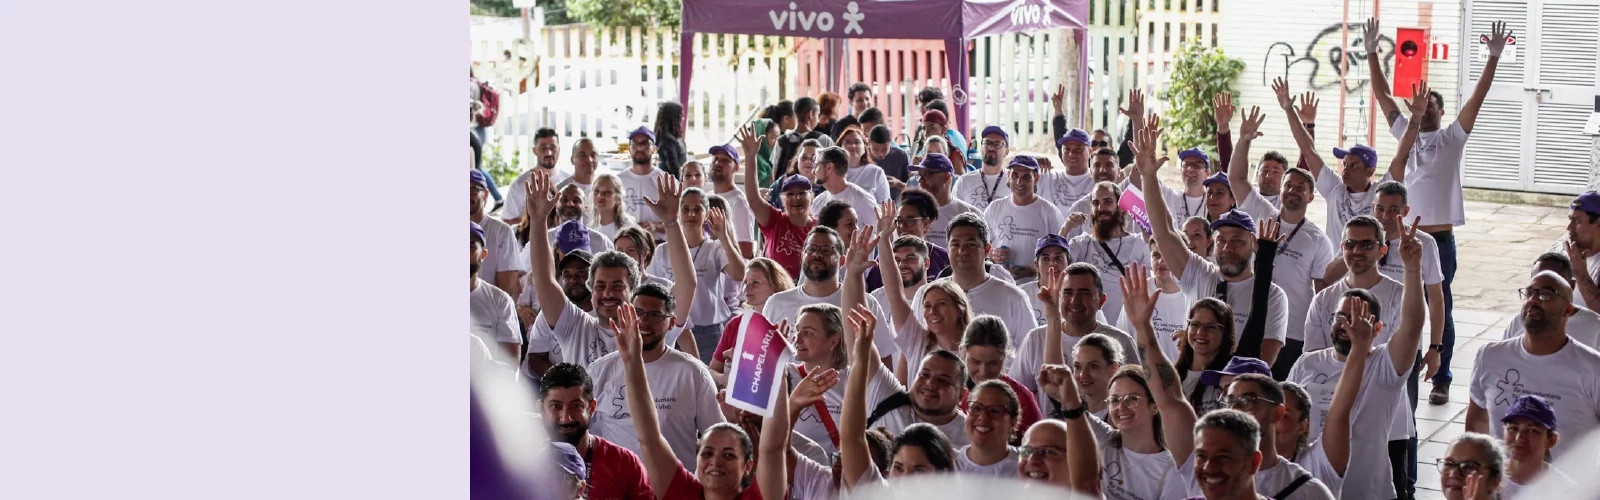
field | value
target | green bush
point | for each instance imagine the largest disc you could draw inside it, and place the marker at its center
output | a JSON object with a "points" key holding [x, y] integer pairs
{"points": [[498, 168], [1199, 73]]}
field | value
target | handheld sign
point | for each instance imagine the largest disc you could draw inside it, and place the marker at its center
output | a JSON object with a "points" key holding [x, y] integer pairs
{"points": [[1132, 202], [758, 358]]}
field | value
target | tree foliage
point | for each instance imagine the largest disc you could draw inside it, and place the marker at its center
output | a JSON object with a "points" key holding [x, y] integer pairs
{"points": [[610, 13], [1199, 73]]}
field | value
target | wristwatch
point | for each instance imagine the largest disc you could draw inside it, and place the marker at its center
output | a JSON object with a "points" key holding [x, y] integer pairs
{"points": [[1071, 414], [1439, 348]]}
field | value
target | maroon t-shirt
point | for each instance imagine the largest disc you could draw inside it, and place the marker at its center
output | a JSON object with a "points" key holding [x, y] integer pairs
{"points": [[616, 473], [730, 338], [686, 485], [785, 241]]}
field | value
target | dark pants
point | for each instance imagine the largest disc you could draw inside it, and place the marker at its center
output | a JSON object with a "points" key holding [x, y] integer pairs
{"points": [[1286, 357], [706, 339], [1397, 459], [1411, 444], [1447, 265], [480, 134]]}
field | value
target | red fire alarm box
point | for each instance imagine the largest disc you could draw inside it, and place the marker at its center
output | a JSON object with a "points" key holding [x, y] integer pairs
{"points": [[1411, 49]]}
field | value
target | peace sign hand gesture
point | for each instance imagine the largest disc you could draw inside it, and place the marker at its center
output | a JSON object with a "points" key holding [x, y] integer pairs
{"points": [[1051, 281], [1055, 100], [1410, 248]]}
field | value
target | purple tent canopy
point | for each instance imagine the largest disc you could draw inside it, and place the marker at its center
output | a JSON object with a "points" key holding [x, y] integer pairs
{"points": [[954, 21]]}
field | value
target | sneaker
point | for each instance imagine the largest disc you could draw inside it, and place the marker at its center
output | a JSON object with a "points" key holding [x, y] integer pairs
{"points": [[1440, 394]]}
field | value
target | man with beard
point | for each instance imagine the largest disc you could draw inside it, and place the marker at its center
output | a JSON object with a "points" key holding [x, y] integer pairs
{"points": [[566, 401], [1584, 324], [911, 255], [936, 389], [805, 112], [1231, 278], [572, 270], [915, 215], [1020, 219], [984, 186], [1103, 169], [1065, 186], [640, 180], [1544, 361], [823, 255], [1109, 247], [572, 206], [725, 163], [1071, 299], [685, 394], [585, 160], [894, 161], [1305, 252], [1379, 408], [833, 165], [1582, 246], [986, 294], [584, 336], [1363, 247], [493, 317], [936, 174], [545, 150], [503, 265]]}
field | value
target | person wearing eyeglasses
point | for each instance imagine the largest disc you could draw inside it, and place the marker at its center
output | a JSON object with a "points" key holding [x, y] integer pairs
{"points": [[1260, 397], [993, 416], [1544, 359], [784, 231], [1474, 468], [823, 256], [986, 348], [1379, 420], [1064, 450], [914, 217], [1584, 324], [986, 185]]}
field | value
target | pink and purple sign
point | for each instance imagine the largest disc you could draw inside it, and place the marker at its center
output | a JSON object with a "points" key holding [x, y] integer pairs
{"points": [[759, 357], [1132, 202]]}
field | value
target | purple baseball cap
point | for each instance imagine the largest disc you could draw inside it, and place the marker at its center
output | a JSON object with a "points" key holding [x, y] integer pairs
{"points": [[1024, 161], [1235, 218], [566, 456], [727, 150], [1239, 365], [477, 232], [645, 131], [995, 129], [1076, 134], [1221, 177], [1052, 240], [935, 162], [1195, 153], [794, 181], [1532, 407], [572, 236], [1587, 202], [1363, 151], [478, 179]]}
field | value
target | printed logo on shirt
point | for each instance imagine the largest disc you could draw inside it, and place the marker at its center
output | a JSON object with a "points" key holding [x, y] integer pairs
{"points": [[1005, 228], [1112, 473], [789, 244], [621, 404], [633, 199], [1505, 390]]}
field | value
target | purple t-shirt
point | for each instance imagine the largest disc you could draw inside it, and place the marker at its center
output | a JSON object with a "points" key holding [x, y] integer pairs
{"points": [[938, 261]]}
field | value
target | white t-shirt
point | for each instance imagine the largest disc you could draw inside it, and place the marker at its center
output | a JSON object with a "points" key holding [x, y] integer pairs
{"points": [[1271, 481], [882, 297], [896, 421], [1200, 278], [494, 317], [1368, 473], [1319, 318], [1303, 257], [870, 178], [637, 188], [810, 424], [1314, 459], [740, 215], [1085, 206], [1344, 205], [812, 481], [786, 305], [1592, 265], [995, 297], [1569, 379], [1129, 475], [1182, 206], [1550, 478], [1030, 357], [1006, 468], [939, 231], [1210, 398], [1019, 227], [686, 402], [859, 199], [1171, 314], [1433, 173], [1394, 267], [588, 189], [911, 339], [709, 307], [1129, 249], [501, 242], [1582, 326], [979, 189], [517, 192], [1063, 189], [609, 230], [577, 335]]}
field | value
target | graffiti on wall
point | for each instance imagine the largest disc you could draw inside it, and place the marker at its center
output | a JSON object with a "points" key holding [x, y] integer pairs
{"points": [[1326, 57]]}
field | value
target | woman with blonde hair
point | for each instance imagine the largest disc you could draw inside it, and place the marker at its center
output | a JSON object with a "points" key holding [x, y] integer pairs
{"points": [[609, 216], [763, 277], [945, 308]]}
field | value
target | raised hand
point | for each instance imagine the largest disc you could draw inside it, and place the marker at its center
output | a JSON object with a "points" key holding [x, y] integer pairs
{"points": [[668, 193], [1360, 324], [1308, 107], [1138, 301], [1477, 487], [1222, 104], [859, 257], [862, 327], [1419, 98], [1498, 38], [1574, 253], [1073, 221], [885, 212], [1135, 107], [1056, 381], [1280, 88], [746, 136], [1270, 230], [719, 224], [1051, 281], [1410, 248], [626, 325], [1251, 126], [1369, 38], [811, 388], [541, 199], [1055, 100], [1145, 145]]}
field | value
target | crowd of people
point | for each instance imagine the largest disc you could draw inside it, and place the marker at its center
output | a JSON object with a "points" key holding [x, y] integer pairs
{"points": [[1034, 329]]}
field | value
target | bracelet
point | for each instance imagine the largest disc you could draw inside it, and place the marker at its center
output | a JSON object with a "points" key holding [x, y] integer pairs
{"points": [[1436, 347], [1074, 413], [670, 223], [1310, 126]]}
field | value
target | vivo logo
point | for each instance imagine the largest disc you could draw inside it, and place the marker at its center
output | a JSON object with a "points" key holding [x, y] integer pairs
{"points": [[1024, 15], [797, 20]]}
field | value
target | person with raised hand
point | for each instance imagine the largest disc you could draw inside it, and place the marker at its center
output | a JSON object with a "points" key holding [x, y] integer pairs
{"points": [[726, 455], [1071, 299], [1177, 416], [1381, 390], [945, 309], [856, 467], [710, 311], [1073, 460], [779, 465], [1473, 468], [785, 231]]}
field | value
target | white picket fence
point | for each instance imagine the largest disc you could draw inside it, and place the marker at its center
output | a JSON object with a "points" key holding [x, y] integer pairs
{"points": [[1132, 43]]}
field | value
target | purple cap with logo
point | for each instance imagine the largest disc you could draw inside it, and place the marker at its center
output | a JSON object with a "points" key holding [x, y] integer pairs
{"points": [[1587, 202], [1363, 151], [727, 150], [1239, 365], [1195, 153], [566, 456], [1052, 240], [1024, 161], [572, 236], [1532, 407], [644, 131], [478, 179], [1235, 218], [1076, 134], [935, 162], [477, 232], [995, 129], [1221, 177], [795, 180]]}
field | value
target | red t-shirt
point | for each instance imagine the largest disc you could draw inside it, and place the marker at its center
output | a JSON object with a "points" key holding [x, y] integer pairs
{"points": [[686, 485], [1030, 407], [615, 473], [730, 337], [785, 241]]}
